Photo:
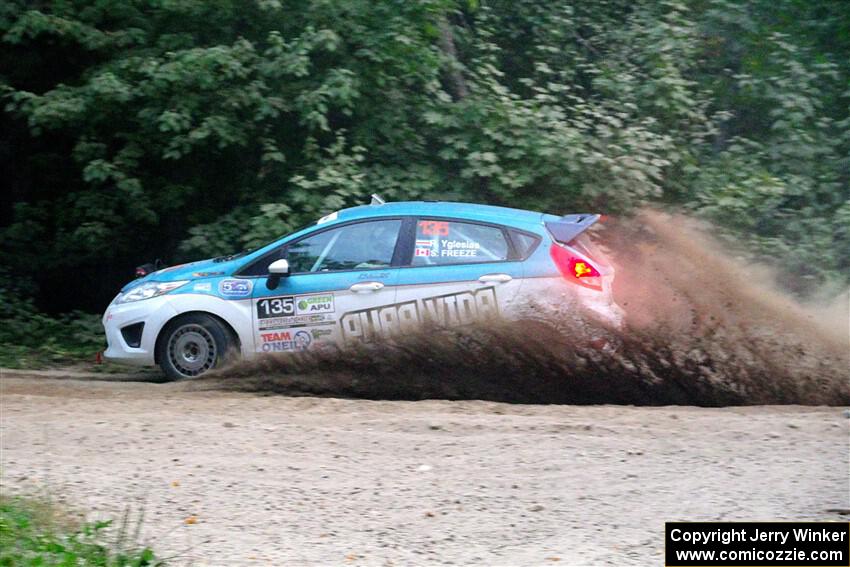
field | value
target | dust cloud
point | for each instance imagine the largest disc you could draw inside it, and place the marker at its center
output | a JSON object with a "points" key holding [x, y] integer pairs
{"points": [[702, 328]]}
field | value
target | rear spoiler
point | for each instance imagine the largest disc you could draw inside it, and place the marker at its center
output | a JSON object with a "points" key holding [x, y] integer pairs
{"points": [[566, 228]]}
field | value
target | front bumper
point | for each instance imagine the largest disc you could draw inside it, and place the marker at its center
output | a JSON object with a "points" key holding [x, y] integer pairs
{"points": [[154, 313]]}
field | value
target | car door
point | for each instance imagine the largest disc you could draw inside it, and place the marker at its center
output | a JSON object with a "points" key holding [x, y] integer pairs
{"points": [[339, 279], [459, 271]]}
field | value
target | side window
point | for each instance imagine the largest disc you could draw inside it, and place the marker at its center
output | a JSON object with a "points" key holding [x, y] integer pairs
{"points": [[441, 243], [361, 246], [524, 243]]}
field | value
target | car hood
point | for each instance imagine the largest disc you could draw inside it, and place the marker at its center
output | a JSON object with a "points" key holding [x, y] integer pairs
{"points": [[202, 269]]}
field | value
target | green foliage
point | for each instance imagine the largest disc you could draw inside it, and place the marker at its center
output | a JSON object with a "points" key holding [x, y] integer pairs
{"points": [[31, 535], [782, 178], [177, 130], [30, 338]]}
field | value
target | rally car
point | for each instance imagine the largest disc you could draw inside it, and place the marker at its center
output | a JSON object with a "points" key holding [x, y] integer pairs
{"points": [[360, 274]]}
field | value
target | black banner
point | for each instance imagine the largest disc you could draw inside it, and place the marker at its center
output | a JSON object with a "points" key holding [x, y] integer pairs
{"points": [[757, 544]]}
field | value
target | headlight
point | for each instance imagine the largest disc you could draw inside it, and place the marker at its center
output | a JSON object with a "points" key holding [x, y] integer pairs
{"points": [[148, 290]]}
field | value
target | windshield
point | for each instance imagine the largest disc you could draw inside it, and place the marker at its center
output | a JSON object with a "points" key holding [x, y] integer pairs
{"points": [[228, 257]]}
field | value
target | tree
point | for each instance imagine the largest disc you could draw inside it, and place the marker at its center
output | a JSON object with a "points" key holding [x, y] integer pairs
{"points": [[178, 130]]}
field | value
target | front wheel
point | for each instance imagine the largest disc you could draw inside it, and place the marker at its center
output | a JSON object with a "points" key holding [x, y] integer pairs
{"points": [[192, 345]]}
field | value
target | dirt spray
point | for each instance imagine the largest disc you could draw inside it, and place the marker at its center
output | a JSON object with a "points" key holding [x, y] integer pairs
{"points": [[702, 328]]}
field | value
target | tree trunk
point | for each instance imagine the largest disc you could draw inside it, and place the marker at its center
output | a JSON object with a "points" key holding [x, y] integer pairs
{"points": [[447, 46]]}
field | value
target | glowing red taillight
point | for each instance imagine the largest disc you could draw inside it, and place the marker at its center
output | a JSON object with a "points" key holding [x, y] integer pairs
{"points": [[575, 269], [582, 269]]}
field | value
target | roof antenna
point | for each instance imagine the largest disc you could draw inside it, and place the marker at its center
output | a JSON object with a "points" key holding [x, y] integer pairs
{"points": [[377, 200]]}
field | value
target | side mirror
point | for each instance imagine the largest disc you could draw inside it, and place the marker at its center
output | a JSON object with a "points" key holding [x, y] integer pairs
{"points": [[277, 269]]}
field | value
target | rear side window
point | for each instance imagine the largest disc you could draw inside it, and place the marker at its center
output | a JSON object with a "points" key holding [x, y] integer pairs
{"points": [[442, 243], [524, 243]]}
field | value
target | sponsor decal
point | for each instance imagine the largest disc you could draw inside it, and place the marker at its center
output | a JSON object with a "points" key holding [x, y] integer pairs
{"points": [[446, 248], [434, 228], [207, 274], [460, 244], [319, 333], [289, 305], [295, 311], [426, 248], [294, 321], [235, 288], [367, 324], [269, 307], [374, 276], [302, 340], [447, 310], [459, 248], [205, 286], [309, 304], [284, 341], [277, 342]]}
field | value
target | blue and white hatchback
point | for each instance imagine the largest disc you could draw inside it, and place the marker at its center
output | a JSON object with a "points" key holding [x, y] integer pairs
{"points": [[357, 275]]}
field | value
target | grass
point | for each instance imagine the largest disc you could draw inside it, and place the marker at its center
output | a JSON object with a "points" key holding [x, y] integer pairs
{"points": [[32, 340], [23, 357], [35, 532]]}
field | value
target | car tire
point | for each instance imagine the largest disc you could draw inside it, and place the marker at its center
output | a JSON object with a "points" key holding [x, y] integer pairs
{"points": [[192, 345]]}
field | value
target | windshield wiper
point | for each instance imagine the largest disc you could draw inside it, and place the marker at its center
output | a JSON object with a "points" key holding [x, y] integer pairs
{"points": [[229, 257]]}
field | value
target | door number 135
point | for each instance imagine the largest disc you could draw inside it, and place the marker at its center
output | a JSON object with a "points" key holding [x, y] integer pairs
{"points": [[275, 307]]}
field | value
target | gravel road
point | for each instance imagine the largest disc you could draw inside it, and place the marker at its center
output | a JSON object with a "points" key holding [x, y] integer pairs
{"points": [[238, 479]]}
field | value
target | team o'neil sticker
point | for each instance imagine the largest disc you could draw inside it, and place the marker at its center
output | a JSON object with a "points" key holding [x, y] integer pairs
{"points": [[235, 288]]}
